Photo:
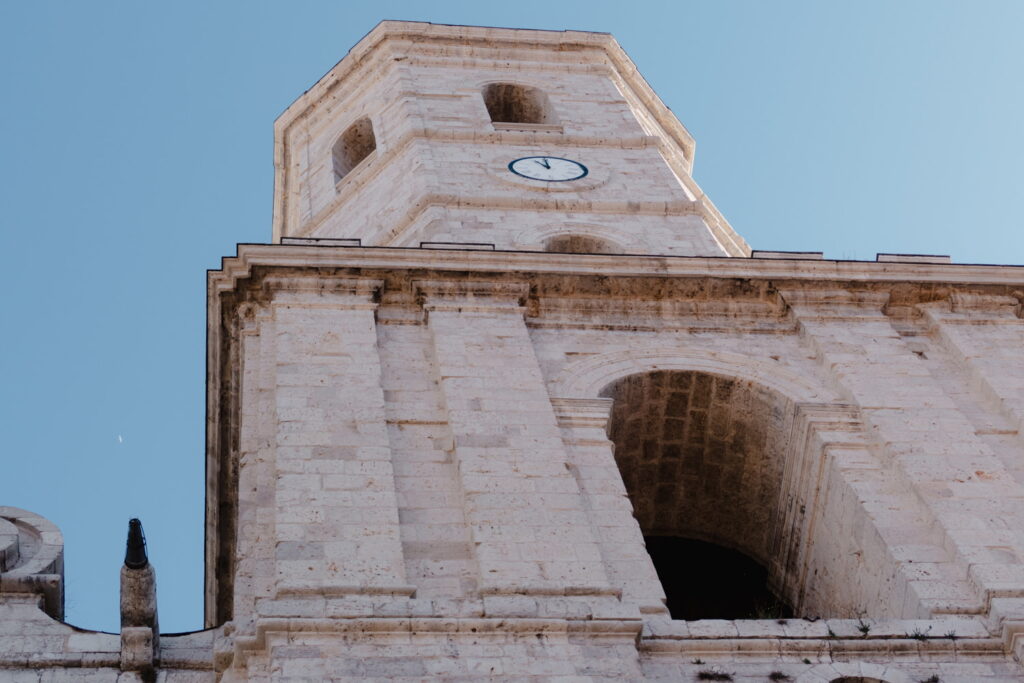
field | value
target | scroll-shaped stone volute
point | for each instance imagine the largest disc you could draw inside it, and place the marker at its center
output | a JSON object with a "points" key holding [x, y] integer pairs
{"points": [[32, 558], [140, 631]]}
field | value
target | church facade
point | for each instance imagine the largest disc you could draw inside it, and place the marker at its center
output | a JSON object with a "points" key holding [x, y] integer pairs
{"points": [[507, 397]]}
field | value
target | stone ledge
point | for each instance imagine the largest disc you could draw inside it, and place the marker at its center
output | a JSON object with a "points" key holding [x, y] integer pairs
{"points": [[951, 629], [501, 262]]}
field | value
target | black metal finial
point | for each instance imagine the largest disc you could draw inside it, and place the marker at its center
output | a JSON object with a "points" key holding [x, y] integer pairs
{"points": [[135, 556]]}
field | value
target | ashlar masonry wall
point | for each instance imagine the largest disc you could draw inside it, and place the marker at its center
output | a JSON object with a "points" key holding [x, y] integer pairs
{"points": [[482, 399]]}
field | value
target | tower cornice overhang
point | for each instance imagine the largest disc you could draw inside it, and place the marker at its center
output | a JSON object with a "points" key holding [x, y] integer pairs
{"points": [[487, 263]]}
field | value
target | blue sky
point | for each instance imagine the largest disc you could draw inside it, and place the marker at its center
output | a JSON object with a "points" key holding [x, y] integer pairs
{"points": [[138, 150]]}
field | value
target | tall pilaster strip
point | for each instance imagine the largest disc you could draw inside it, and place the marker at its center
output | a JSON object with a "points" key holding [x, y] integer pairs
{"points": [[254, 570], [529, 527], [336, 515], [584, 423]]}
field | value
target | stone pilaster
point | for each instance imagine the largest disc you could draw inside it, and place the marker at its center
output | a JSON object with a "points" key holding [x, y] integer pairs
{"points": [[525, 510], [927, 441], [831, 546], [254, 569], [986, 334], [584, 422], [335, 510]]}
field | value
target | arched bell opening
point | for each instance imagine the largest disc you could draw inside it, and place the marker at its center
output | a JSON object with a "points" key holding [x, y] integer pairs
{"points": [[573, 243], [354, 145], [702, 459], [514, 103]]}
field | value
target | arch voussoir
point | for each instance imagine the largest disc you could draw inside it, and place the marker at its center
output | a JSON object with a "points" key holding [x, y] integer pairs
{"points": [[587, 377]]}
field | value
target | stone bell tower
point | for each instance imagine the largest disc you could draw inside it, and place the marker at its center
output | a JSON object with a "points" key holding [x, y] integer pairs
{"points": [[506, 397], [414, 138]]}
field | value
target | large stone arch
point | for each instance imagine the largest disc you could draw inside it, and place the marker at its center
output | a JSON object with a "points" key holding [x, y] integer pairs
{"points": [[587, 377], [823, 553], [536, 235]]}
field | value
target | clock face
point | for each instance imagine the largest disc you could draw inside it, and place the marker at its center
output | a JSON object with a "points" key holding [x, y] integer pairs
{"points": [[551, 169]]}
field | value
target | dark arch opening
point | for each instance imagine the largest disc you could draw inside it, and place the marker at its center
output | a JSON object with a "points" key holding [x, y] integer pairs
{"points": [[702, 459], [511, 103], [703, 580], [578, 244], [354, 145]]}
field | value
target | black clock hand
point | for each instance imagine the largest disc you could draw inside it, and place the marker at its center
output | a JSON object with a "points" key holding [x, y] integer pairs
{"points": [[544, 163]]}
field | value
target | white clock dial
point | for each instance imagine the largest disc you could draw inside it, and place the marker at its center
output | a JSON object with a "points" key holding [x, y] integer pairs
{"points": [[551, 169]]}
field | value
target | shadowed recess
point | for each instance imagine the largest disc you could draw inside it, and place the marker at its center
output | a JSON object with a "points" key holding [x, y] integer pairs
{"points": [[511, 103], [703, 580], [702, 460], [578, 244], [354, 145]]}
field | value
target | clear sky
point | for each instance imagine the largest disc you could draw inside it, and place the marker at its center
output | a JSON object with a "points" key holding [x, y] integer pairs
{"points": [[137, 150]]}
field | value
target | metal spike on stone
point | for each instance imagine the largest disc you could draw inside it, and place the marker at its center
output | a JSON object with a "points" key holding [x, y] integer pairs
{"points": [[135, 556]]}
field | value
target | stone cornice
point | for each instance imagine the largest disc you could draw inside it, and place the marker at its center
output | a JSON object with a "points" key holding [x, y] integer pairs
{"points": [[370, 627], [482, 263], [472, 295], [962, 303], [582, 412], [836, 305], [332, 285]]}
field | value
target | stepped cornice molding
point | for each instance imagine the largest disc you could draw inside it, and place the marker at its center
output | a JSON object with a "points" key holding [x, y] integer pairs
{"points": [[587, 377], [472, 295], [823, 274]]}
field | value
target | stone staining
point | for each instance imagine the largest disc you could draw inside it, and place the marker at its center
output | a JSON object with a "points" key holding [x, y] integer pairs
{"points": [[578, 244]]}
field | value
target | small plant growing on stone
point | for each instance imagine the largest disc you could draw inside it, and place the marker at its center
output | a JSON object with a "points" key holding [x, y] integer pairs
{"points": [[934, 678], [806, 661], [697, 660], [707, 675], [863, 626], [831, 633], [951, 635], [779, 676], [918, 634]]}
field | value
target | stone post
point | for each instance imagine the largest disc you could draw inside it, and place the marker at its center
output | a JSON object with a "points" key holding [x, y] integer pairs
{"points": [[525, 509], [140, 629]]}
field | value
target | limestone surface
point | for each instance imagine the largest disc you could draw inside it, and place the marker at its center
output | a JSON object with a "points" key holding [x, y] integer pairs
{"points": [[448, 401]]}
